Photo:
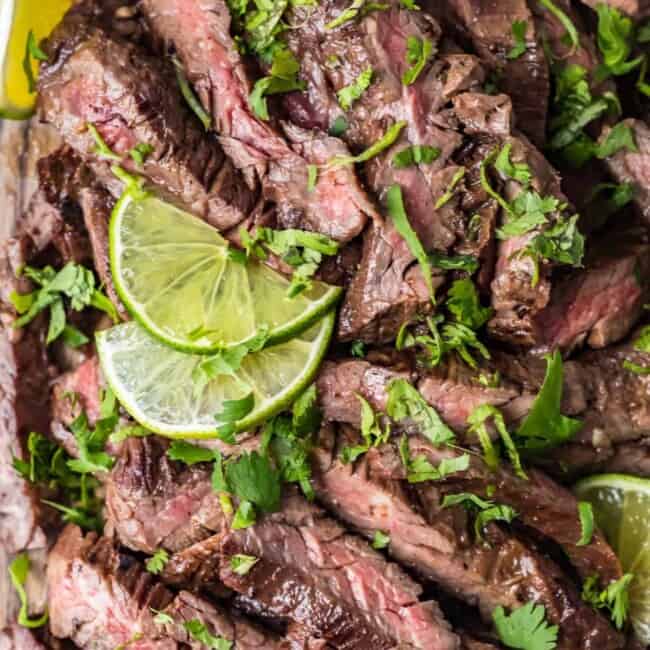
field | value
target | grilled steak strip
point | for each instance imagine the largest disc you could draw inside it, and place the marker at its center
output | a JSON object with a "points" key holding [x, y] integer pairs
{"points": [[101, 597], [439, 543], [198, 31], [310, 572], [96, 77]]}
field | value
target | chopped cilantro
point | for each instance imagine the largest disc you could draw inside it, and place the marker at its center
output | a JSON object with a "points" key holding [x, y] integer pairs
{"points": [[188, 453], [384, 142], [350, 94], [242, 564], [233, 411], [487, 511], [477, 421], [32, 51], [615, 40], [467, 263], [380, 540], [545, 427], [245, 516], [642, 344], [415, 155], [517, 171], [525, 628], [528, 211], [586, 513], [464, 304], [418, 53], [312, 177], [566, 22], [620, 137], [199, 632], [406, 403], [345, 16], [339, 127], [419, 469], [156, 563], [615, 197], [374, 434], [190, 98], [409, 4], [73, 282], [519, 29], [252, 478], [358, 349], [400, 220], [18, 571], [101, 148], [614, 598], [161, 618], [283, 79], [140, 153], [447, 196]]}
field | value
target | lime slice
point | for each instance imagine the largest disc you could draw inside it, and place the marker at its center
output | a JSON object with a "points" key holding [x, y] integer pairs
{"points": [[174, 274], [17, 18], [622, 509], [158, 387]]}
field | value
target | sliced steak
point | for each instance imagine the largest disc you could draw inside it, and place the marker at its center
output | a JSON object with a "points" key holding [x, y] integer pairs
{"points": [[311, 572], [487, 25], [600, 304], [439, 543], [630, 166], [103, 598], [153, 502], [93, 77], [198, 32]]}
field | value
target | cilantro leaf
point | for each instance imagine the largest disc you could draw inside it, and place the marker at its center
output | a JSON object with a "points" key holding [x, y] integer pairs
{"points": [[397, 212], [620, 137], [245, 516], [487, 510], [615, 196], [312, 177], [416, 154], [562, 243], [101, 148], [545, 427], [188, 453], [380, 540], [418, 53], [235, 409], [345, 16], [32, 52], [477, 421], [463, 302], [199, 632], [451, 189], [406, 403], [419, 469], [252, 478], [161, 618], [525, 628], [92, 458], [372, 432], [339, 127], [190, 98], [358, 349], [156, 563], [242, 564], [141, 152], [18, 571], [615, 40], [283, 79], [614, 598], [467, 263], [566, 22], [350, 94], [517, 171], [384, 142], [586, 513], [519, 29], [528, 211]]}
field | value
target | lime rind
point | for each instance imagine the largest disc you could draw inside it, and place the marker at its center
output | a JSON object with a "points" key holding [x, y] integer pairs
{"points": [[175, 277], [622, 505], [155, 383]]}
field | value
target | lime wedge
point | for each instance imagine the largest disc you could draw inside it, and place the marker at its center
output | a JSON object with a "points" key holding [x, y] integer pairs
{"points": [[17, 19], [158, 385], [622, 509], [174, 274]]}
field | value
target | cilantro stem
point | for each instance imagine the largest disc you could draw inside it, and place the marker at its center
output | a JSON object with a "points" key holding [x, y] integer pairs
{"points": [[566, 23], [190, 97]]}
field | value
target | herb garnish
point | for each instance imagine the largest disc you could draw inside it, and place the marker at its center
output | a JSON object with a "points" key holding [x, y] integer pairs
{"points": [[415, 155], [350, 94], [373, 432], [73, 282], [384, 142], [451, 189], [525, 628], [397, 212], [419, 469], [380, 540], [545, 427], [141, 152], [487, 511], [615, 598], [464, 304], [32, 51], [586, 514], [418, 53], [189, 96], [642, 344], [567, 23], [519, 29], [156, 563], [615, 42], [199, 632], [18, 571], [242, 564]]}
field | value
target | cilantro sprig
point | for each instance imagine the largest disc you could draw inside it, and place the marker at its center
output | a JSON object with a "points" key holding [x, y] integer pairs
{"points": [[18, 571], [615, 598], [525, 628], [73, 285], [373, 432]]}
